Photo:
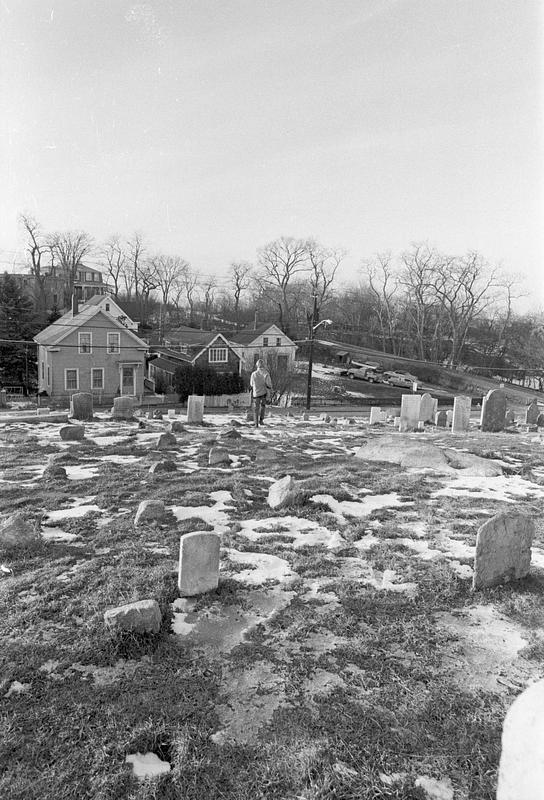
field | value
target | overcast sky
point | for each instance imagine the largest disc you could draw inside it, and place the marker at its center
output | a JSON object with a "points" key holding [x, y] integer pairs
{"points": [[215, 126]]}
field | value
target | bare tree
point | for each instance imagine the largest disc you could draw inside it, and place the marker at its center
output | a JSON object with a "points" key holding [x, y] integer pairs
{"points": [[384, 284], [168, 270], [38, 250], [324, 263], [135, 254], [240, 279], [208, 287], [68, 250], [190, 282], [114, 259], [418, 277], [279, 262]]}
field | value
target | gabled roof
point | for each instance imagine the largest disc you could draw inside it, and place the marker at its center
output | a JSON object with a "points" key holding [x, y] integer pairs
{"points": [[248, 335], [62, 328], [190, 336]]}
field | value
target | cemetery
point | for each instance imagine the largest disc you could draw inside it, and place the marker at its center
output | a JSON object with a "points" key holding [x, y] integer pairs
{"points": [[324, 607]]}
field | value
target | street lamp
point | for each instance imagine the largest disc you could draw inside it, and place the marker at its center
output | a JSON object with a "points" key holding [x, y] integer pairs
{"points": [[313, 328]]}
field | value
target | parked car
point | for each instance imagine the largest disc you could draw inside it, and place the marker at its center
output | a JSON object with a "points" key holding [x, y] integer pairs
{"points": [[402, 379], [365, 373]]}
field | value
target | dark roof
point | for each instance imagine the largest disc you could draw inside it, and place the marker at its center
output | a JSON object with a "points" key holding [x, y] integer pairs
{"points": [[165, 364], [247, 335], [190, 336], [172, 355]]}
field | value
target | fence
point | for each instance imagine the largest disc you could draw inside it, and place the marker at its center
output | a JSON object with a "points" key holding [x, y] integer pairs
{"points": [[242, 400]]}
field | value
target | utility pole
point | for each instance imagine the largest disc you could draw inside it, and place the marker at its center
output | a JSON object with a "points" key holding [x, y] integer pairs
{"points": [[311, 355]]}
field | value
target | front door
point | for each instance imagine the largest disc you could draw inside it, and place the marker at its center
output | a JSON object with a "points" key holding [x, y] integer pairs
{"points": [[128, 378]]}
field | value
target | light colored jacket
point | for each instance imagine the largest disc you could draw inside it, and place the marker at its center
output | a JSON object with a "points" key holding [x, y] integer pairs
{"points": [[260, 382]]}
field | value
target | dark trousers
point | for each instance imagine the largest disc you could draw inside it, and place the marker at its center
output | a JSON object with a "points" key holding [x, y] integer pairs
{"points": [[260, 403]]}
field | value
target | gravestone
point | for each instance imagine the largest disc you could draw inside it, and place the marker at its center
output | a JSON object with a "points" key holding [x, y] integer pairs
{"points": [[396, 422], [503, 549], [218, 455], [509, 417], [176, 426], [376, 415], [281, 492], [426, 408], [150, 415], [460, 419], [123, 407], [55, 472], [81, 406], [16, 531], [521, 768], [493, 411], [162, 466], [540, 421], [305, 416], [532, 413], [198, 563], [149, 511], [3, 398], [409, 411], [144, 616], [441, 419], [171, 412], [195, 408], [449, 417], [72, 433], [166, 441]]}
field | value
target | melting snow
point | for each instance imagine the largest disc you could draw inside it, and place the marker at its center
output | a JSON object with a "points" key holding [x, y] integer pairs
{"points": [[214, 515], [69, 513], [147, 765], [266, 567], [504, 488], [354, 508], [303, 531]]}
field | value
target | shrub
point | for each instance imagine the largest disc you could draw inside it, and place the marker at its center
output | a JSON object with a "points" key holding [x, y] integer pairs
{"points": [[201, 380]]}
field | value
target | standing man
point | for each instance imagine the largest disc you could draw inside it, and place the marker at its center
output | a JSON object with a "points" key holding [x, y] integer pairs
{"points": [[261, 385]]}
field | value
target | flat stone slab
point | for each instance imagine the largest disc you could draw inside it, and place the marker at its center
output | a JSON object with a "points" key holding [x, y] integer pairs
{"points": [[198, 563], [503, 550], [16, 531], [149, 511], [144, 616]]}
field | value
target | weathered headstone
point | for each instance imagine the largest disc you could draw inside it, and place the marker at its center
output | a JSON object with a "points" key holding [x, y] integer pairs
{"points": [[532, 413], [123, 407], [441, 418], [198, 563], [3, 398], [281, 492], [509, 417], [16, 531], [149, 511], [375, 415], [540, 420], [218, 455], [162, 466], [144, 616], [81, 406], [195, 408], [176, 426], [230, 433], [493, 411], [460, 420], [426, 408], [305, 416], [521, 768], [409, 411], [72, 433], [449, 417], [503, 549], [171, 413], [55, 472], [166, 441]]}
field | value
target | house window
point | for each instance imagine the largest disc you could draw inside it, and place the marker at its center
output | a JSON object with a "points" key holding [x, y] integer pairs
{"points": [[71, 380], [98, 378], [48, 376], [107, 306], [218, 355], [278, 341], [265, 341], [89, 277], [85, 341], [113, 342]]}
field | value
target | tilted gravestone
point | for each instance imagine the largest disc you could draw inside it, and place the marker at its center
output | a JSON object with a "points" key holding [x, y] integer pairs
{"points": [[123, 408], [441, 418], [81, 406], [532, 413], [195, 408], [426, 408], [376, 415], [503, 550], [198, 563], [540, 420], [166, 441], [521, 768], [449, 417], [493, 411], [143, 616], [218, 455], [409, 411], [461, 414], [72, 433]]}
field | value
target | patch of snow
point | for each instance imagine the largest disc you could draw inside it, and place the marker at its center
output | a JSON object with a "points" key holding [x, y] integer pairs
{"points": [[435, 790], [104, 441], [120, 459], [147, 765], [69, 513], [354, 508], [17, 688], [504, 488], [80, 473], [214, 515], [58, 535], [264, 567], [303, 531]]}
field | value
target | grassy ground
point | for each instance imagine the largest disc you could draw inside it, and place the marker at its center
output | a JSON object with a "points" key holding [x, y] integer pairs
{"points": [[336, 686]]}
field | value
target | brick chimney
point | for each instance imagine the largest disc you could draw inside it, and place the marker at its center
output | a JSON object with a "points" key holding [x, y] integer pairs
{"points": [[75, 305]]}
